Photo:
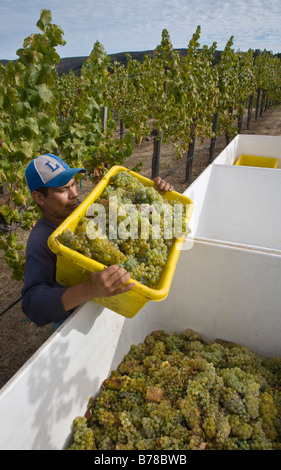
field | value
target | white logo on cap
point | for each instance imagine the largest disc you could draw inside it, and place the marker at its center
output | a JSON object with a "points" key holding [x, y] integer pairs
{"points": [[47, 167]]}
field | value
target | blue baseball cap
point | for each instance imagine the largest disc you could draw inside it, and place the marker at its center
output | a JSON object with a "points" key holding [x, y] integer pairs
{"points": [[49, 171]]}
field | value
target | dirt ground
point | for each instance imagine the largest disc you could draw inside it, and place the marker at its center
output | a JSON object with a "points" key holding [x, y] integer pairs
{"points": [[20, 338]]}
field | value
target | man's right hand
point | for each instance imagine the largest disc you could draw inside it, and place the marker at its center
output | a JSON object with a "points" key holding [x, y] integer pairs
{"points": [[112, 280]]}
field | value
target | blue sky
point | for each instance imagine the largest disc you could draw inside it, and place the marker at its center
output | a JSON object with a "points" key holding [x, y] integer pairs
{"points": [[136, 25]]}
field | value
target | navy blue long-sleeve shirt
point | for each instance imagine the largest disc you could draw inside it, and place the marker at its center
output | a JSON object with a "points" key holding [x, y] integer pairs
{"points": [[41, 295]]}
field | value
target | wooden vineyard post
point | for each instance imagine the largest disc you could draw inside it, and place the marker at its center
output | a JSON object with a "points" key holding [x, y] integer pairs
{"points": [[189, 162], [104, 117], [262, 109], [267, 105], [213, 139], [121, 124], [190, 153], [157, 145], [230, 112], [257, 103], [250, 109], [240, 120]]}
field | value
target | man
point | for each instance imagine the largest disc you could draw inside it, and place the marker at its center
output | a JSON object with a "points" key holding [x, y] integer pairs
{"points": [[53, 188]]}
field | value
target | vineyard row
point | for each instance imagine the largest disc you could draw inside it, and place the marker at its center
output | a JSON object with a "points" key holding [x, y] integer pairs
{"points": [[175, 98]]}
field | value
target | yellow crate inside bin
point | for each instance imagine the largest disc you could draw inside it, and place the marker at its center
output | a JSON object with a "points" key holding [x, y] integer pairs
{"points": [[253, 160], [73, 267]]}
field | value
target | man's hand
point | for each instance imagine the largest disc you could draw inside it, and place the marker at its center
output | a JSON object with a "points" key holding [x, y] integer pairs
{"points": [[111, 281], [161, 185]]}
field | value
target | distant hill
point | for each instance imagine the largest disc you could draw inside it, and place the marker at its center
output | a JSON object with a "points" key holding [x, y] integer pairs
{"points": [[75, 63]]}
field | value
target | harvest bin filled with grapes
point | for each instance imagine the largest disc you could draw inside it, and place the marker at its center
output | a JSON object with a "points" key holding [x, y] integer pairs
{"points": [[124, 221], [200, 370]]}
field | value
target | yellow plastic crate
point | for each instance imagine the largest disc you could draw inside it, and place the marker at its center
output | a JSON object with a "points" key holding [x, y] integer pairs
{"points": [[73, 267], [253, 160]]}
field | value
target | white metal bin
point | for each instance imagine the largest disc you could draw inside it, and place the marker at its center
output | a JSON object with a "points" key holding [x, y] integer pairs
{"points": [[219, 291], [260, 145], [237, 205]]}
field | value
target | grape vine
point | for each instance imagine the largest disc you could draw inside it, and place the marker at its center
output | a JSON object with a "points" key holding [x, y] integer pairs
{"points": [[167, 95]]}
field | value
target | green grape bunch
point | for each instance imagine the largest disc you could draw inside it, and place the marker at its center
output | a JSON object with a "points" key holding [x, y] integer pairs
{"points": [[180, 392], [131, 225], [169, 393]]}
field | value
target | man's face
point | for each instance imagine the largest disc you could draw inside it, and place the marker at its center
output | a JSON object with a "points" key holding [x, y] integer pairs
{"points": [[60, 202]]}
